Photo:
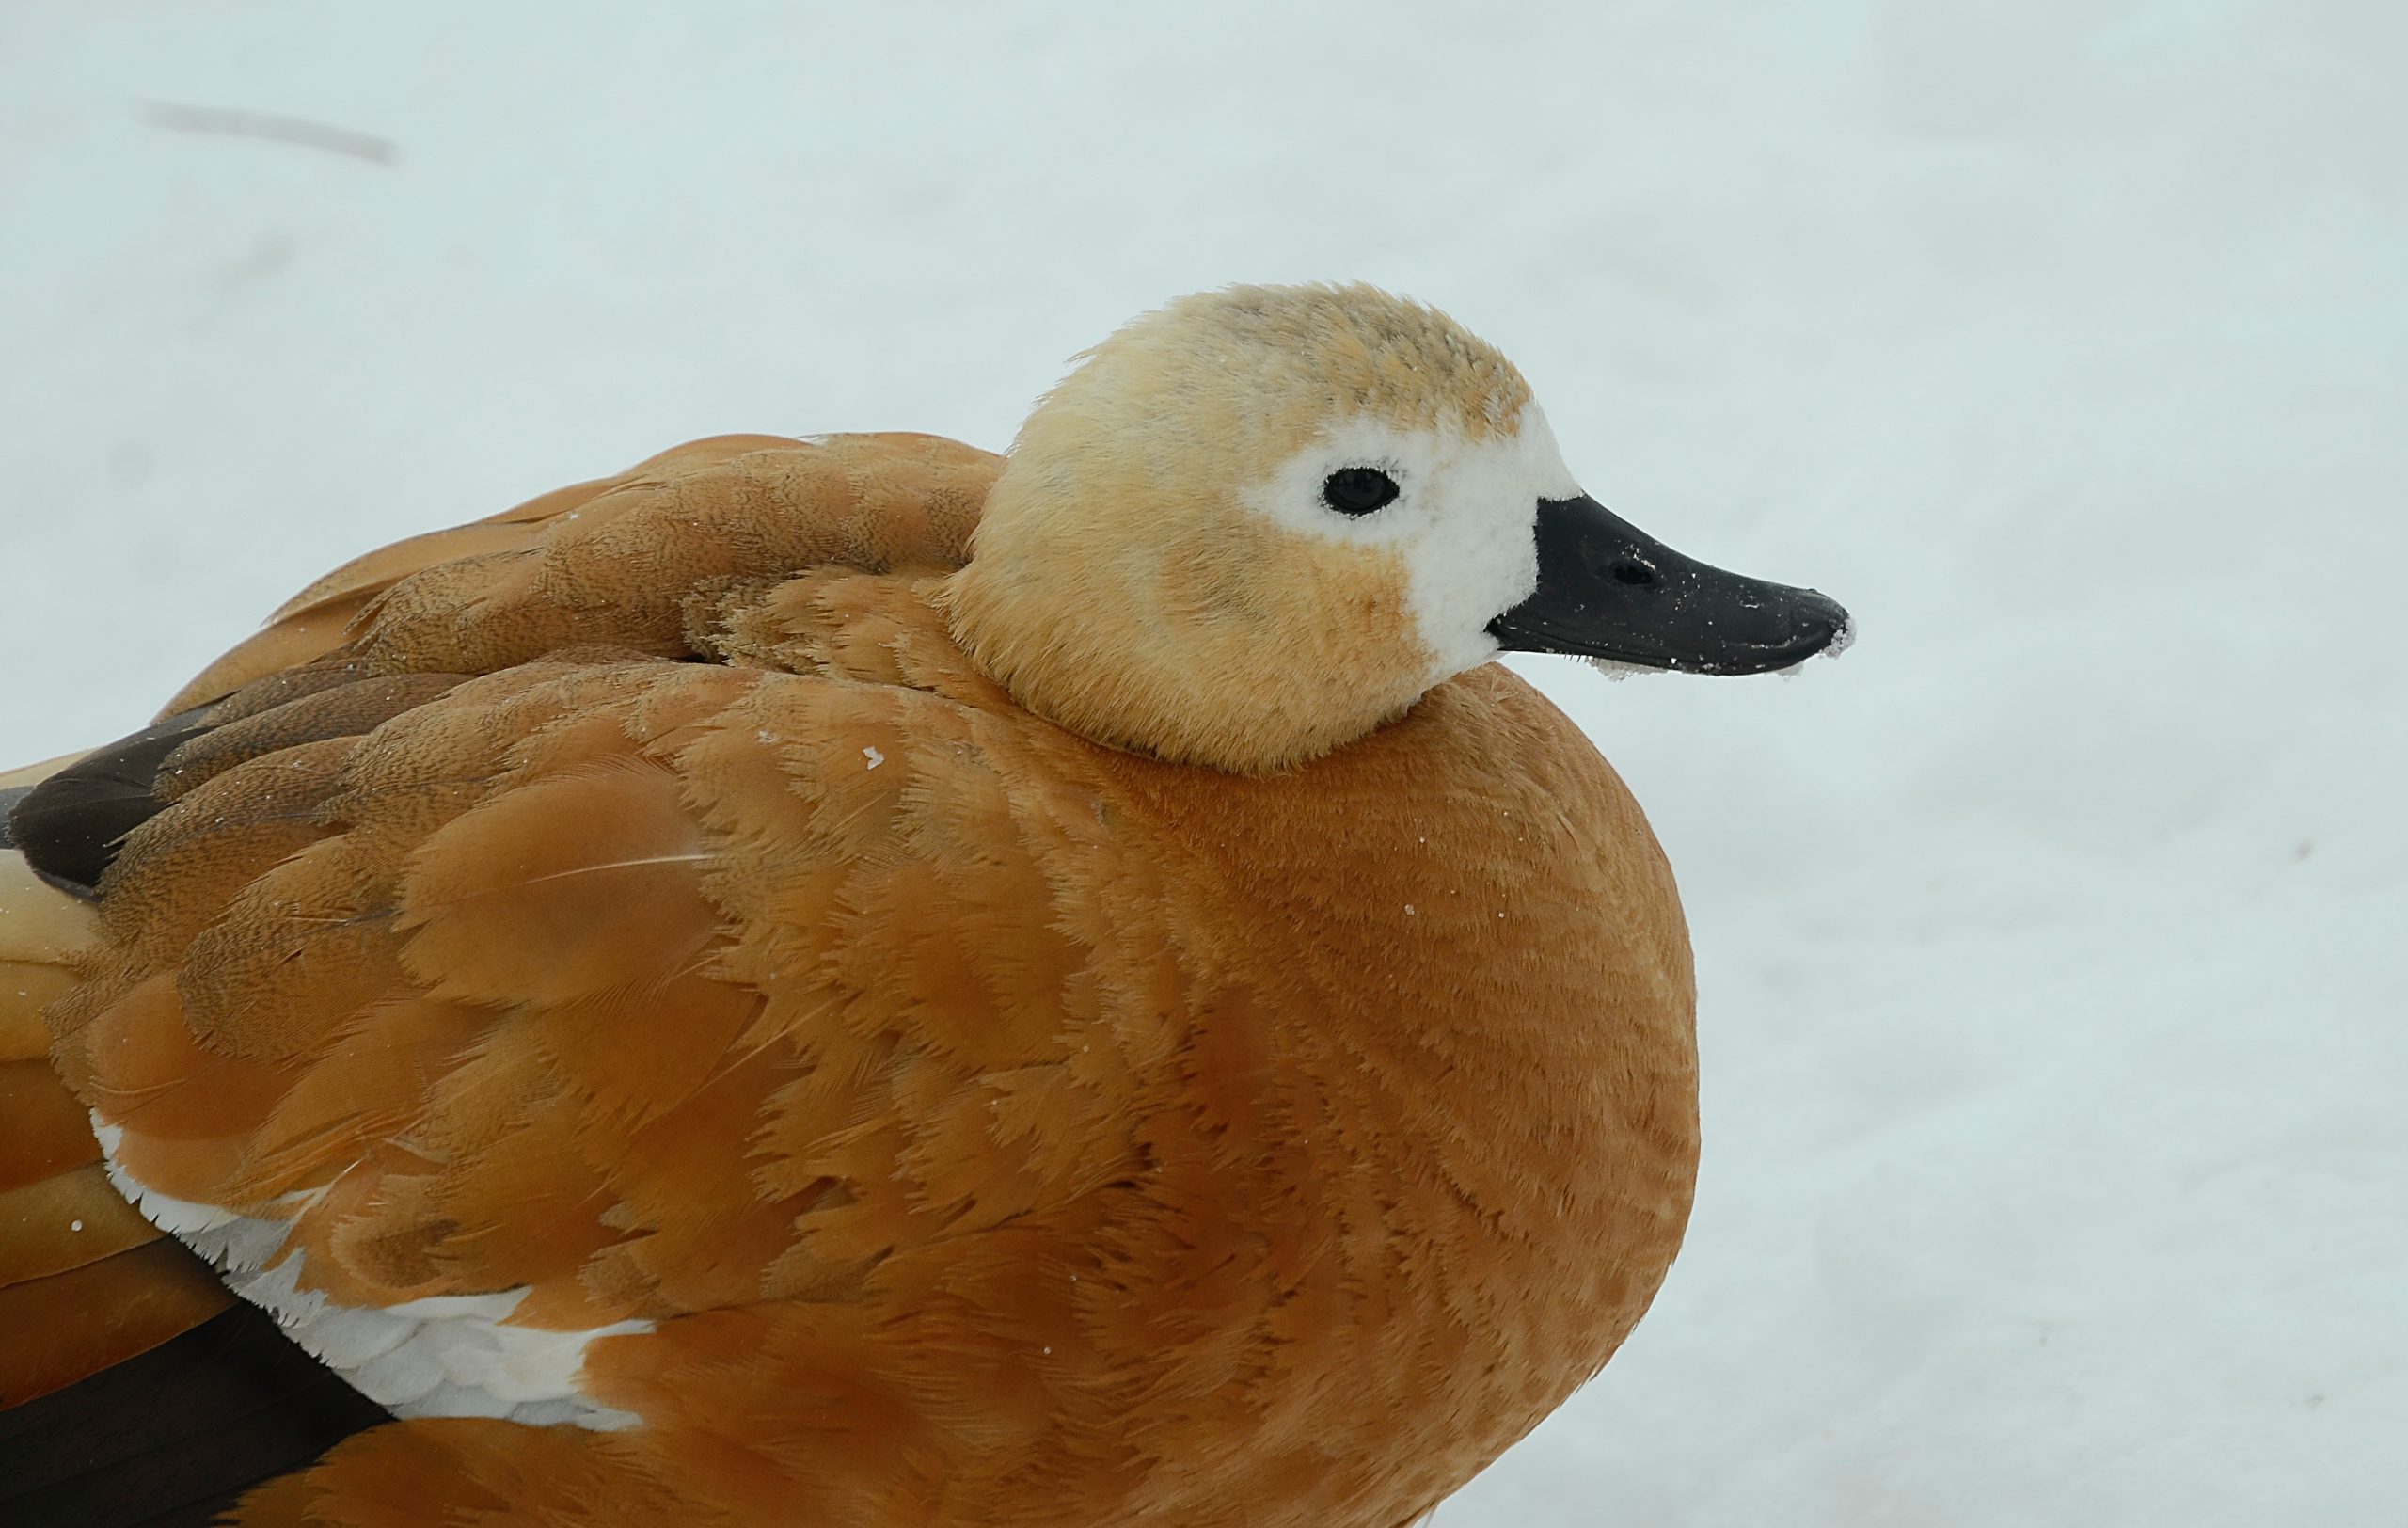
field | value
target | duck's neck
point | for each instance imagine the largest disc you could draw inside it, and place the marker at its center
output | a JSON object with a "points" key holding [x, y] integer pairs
{"points": [[1157, 631]]}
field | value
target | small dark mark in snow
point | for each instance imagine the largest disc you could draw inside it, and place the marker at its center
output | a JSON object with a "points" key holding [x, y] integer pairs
{"points": [[298, 130]]}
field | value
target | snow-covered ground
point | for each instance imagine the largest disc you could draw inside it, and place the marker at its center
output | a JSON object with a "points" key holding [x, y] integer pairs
{"points": [[2056, 984]]}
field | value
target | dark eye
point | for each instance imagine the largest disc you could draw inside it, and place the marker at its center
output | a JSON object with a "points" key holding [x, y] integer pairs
{"points": [[1358, 490]]}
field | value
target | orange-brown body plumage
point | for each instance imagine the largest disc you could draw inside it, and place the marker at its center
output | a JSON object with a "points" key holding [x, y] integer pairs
{"points": [[641, 899]]}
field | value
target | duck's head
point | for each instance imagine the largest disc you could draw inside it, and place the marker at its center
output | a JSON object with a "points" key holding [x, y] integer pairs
{"points": [[1257, 524]]}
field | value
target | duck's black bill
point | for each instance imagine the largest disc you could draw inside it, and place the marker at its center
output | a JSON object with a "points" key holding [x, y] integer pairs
{"points": [[1606, 589]]}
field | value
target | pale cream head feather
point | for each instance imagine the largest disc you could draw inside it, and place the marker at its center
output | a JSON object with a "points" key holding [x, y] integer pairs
{"points": [[1157, 568]]}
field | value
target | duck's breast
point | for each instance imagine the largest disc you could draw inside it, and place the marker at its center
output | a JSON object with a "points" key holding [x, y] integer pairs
{"points": [[1430, 1103]]}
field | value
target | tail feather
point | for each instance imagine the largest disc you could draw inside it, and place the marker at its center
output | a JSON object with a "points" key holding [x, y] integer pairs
{"points": [[135, 1391], [84, 1282], [172, 1435], [69, 1326]]}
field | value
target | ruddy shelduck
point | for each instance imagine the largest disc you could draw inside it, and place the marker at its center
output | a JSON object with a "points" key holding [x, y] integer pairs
{"points": [[862, 982]]}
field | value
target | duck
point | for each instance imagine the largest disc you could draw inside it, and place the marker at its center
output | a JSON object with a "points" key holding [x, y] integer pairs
{"points": [[858, 980]]}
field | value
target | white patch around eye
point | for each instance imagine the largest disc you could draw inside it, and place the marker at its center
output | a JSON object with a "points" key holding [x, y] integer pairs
{"points": [[1465, 519]]}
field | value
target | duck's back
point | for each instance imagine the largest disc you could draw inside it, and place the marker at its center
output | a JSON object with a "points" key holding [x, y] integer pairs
{"points": [[622, 966]]}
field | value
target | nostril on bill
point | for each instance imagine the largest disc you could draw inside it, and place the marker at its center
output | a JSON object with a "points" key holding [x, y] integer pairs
{"points": [[1631, 570]]}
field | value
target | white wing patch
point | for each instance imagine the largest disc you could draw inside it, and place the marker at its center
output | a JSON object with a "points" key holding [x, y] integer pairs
{"points": [[444, 1356]]}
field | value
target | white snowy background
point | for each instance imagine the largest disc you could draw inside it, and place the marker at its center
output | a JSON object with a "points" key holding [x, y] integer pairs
{"points": [[2054, 1001]]}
